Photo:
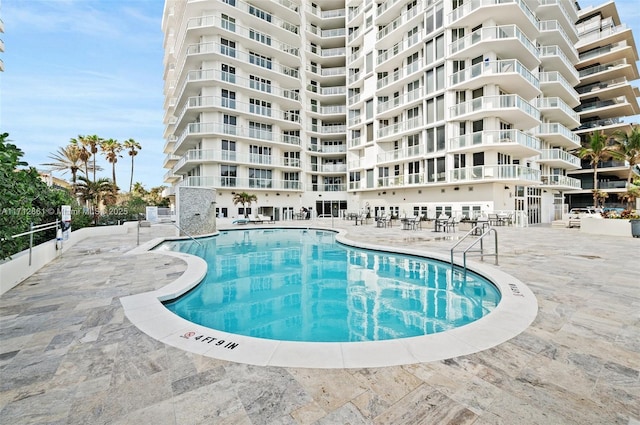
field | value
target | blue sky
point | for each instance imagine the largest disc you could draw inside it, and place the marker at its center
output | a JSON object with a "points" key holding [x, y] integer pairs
{"points": [[84, 67], [95, 67]]}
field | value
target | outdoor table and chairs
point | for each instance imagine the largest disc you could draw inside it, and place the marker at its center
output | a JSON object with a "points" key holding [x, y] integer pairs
{"points": [[411, 223]]}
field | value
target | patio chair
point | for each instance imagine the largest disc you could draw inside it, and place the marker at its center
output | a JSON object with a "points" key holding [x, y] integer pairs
{"points": [[451, 224]]}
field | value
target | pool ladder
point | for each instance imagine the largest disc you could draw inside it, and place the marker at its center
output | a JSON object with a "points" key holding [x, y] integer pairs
{"points": [[483, 231], [186, 233]]}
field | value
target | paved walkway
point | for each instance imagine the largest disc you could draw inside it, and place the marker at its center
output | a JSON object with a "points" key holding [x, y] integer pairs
{"points": [[68, 355]]}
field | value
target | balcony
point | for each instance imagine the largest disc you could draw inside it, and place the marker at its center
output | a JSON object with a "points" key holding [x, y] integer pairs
{"points": [[382, 39], [513, 142], [327, 129], [510, 74], [400, 76], [562, 10], [474, 12], [169, 144], [605, 36], [553, 84], [399, 155], [556, 110], [557, 182], [195, 157], [404, 47], [212, 51], [558, 135], [608, 71], [240, 183], [509, 173], [608, 89], [170, 177], [552, 33], [197, 131], [609, 108], [506, 41], [398, 129], [509, 107], [554, 59], [608, 53], [170, 160], [391, 107], [197, 79], [557, 158]]}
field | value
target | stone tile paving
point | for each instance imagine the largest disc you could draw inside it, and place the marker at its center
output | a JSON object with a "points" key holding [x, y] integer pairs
{"points": [[68, 355]]}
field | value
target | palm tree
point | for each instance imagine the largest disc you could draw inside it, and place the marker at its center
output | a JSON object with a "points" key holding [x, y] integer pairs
{"points": [[630, 195], [133, 147], [84, 154], [244, 199], [596, 150], [93, 142], [628, 145], [111, 149], [67, 159], [94, 192]]}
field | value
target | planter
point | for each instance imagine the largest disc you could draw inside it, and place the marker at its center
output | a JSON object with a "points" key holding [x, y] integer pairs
{"points": [[605, 226], [635, 227]]}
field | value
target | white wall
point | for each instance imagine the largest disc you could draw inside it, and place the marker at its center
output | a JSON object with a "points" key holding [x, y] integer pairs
{"points": [[16, 270]]}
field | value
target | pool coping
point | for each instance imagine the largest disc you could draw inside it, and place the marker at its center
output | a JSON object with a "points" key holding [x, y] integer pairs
{"points": [[517, 309]]}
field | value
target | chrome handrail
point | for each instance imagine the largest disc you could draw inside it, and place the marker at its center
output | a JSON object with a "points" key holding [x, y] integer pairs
{"points": [[474, 231]]}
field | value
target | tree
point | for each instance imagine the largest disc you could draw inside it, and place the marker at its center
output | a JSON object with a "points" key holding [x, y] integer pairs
{"points": [[94, 192], [83, 153], [630, 195], [111, 149], [596, 150], [628, 145], [244, 199], [67, 159], [92, 142], [25, 199], [132, 147]]}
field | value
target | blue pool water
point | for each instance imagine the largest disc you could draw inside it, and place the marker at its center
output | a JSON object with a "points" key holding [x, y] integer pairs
{"points": [[301, 285]]}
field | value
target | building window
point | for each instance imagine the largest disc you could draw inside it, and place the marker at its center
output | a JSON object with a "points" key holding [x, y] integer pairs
{"points": [[259, 154], [259, 130], [229, 124], [259, 37], [261, 84], [228, 175], [228, 23], [228, 73], [259, 60], [228, 150], [228, 99], [369, 109], [260, 178], [261, 107], [260, 13], [228, 47]]}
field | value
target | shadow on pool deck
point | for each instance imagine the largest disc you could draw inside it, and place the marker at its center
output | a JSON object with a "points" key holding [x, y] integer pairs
{"points": [[68, 355]]}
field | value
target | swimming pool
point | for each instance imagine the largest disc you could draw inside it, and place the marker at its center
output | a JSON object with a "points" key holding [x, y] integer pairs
{"points": [[302, 285]]}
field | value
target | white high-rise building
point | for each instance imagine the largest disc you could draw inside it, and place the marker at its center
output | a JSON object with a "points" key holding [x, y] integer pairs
{"points": [[401, 106]]}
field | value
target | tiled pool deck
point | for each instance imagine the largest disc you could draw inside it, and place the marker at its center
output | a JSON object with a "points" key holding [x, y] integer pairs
{"points": [[69, 355]]}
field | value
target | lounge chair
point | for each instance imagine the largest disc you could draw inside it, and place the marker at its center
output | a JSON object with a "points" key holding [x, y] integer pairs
{"points": [[240, 220], [265, 219]]}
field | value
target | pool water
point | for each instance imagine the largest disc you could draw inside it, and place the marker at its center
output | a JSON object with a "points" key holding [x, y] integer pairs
{"points": [[302, 285]]}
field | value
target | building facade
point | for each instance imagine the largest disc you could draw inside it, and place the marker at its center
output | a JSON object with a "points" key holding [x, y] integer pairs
{"points": [[399, 107], [607, 66]]}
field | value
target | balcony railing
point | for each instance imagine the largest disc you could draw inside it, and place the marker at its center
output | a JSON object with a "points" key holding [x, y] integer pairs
{"points": [[549, 51], [602, 68], [401, 154], [494, 67], [491, 34], [236, 182], [495, 137], [399, 21], [233, 130], [407, 125], [401, 73], [559, 155], [495, 172], [248, 108], [400, 101], [583, 107], [400, 47], [469, 6], [489, 103], [211, 47], [556, 128], [218, 155], [557, 180], [556, 103]]}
